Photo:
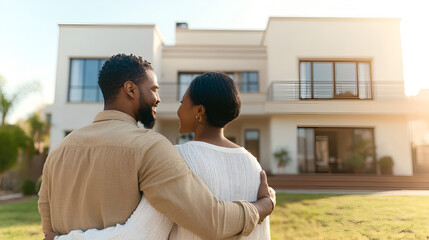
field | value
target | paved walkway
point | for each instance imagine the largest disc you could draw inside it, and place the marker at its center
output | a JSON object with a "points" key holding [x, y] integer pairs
{"points": [[359, 192], [11, 196]]}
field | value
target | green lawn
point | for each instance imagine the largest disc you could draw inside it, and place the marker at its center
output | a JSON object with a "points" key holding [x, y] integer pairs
{"points": [[324, 216], [297, 216], [20, 221]]}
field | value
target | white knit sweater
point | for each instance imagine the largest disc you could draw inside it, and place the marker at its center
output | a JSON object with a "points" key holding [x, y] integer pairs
{"points": [[230, 174]]}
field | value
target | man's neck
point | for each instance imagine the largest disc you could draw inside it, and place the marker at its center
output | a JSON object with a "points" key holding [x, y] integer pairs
{"points": [[120, 108]]}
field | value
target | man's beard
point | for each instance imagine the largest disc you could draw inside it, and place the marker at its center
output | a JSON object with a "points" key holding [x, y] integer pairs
{"points": [[146, 116]]}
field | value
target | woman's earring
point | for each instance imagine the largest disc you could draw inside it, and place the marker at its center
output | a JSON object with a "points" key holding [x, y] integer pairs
{"points": [[199, 120]]}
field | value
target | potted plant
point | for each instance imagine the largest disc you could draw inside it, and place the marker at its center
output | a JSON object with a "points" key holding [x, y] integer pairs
{"points": [[361, 150], [356, 162], [386, 165], [282, 157]]}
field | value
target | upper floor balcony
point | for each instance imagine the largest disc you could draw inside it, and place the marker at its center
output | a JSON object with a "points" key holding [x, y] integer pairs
{"points": [[293, 97]]}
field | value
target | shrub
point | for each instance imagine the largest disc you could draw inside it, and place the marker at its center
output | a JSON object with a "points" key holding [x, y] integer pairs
{"points": [[28, 187], [356, 162], [282, 157], [12, 138]]}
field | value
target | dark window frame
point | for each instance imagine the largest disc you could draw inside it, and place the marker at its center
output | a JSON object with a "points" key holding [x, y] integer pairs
{"points": [[179, 84], [335, 96], [238, 81], [248, 83], [99, 98], [372, 129], [259, 141]]}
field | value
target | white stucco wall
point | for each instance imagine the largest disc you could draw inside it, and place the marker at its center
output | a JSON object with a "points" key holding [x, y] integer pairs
{"points": [[290, 39], [391, 136], [157, 52]]}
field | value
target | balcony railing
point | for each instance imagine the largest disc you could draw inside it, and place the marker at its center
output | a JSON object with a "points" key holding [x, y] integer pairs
{"points": [[294, 90]]}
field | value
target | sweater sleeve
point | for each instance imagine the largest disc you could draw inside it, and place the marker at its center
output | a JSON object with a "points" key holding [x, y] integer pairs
{"points": [[145, 223], [175, 191]]}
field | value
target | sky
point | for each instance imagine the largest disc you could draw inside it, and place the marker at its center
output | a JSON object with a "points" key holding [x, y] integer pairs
{"points": [[29, 30]]}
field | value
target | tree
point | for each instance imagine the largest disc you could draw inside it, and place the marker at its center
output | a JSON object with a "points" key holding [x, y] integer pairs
{"points": [[8, 102], [38, 130], [12, 139]]}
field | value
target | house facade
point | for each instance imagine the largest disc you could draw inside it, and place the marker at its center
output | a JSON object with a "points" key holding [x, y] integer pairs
{"points": [[327, 91]]}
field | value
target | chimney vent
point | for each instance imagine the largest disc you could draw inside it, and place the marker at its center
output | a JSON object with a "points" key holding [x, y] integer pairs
{"points": [[183, 25]]}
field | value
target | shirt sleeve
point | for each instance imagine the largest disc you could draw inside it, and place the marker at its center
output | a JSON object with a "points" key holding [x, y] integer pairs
{"points": [[175, 191], [43, 202], [145, 223]]}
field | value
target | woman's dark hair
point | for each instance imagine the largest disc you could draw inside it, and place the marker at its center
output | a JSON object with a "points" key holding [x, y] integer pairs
{"points": [[219, 95], [117, 70]]}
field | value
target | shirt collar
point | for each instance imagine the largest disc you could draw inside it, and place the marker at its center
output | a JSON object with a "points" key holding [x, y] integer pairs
{"points": [[114, 115]]}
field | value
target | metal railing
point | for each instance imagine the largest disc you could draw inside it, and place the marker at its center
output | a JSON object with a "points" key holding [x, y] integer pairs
{"points": [[295, 90]]}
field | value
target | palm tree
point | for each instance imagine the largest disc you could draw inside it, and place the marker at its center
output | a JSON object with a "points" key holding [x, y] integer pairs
{"points": [[13, 138], [38, 130], [8, 102]]}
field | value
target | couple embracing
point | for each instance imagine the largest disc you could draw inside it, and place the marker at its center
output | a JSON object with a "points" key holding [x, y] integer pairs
{"points": [[114, 180]]}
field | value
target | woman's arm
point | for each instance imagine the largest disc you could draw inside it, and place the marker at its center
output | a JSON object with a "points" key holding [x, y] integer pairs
{"points": [[145, 223]]}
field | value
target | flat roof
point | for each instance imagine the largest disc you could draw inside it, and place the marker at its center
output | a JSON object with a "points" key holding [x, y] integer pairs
{"points": [[66, 25]]}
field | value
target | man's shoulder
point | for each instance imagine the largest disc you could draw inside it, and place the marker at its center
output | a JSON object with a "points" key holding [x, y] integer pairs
{"points": [[149, 137]]}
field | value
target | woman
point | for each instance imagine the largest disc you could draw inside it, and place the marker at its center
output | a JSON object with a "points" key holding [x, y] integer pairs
{"points": [[229, 171]]}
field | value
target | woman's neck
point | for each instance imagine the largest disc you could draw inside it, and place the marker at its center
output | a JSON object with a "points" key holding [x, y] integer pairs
{"points": [[213, 135]]}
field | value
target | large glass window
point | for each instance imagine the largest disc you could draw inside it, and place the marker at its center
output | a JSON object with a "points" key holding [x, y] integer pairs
{"points": [[247, 81], [83, 85], [335, 79], [184, 80], [251, 143], [336, 150]]}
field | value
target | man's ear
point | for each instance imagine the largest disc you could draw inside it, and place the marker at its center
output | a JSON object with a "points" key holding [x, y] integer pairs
{"points": [[130, 89]]}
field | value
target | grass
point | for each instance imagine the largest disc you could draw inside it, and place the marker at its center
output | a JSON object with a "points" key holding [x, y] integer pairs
{"points": [[325, 216], [20, 221], [297, 216]]}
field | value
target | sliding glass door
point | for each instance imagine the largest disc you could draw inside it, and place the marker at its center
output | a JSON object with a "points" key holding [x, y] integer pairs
{"points": [[336, 150]]}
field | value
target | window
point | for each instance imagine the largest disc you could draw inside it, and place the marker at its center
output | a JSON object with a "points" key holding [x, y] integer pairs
{"points": [[335, 80], [49, 118], [336, 150], [246, 81], [185, 80], [251, 139], [249, 82], [83, 84]]}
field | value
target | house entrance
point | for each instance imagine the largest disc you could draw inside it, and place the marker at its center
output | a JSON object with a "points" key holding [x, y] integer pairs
{"points": [[336, 150]]}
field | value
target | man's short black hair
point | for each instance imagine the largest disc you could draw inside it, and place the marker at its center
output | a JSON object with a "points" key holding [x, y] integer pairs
{"points": [[117, 70], [219, 95]]}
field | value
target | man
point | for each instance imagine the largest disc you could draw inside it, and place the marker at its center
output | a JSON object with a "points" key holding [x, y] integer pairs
{"points": [[95, 177]]}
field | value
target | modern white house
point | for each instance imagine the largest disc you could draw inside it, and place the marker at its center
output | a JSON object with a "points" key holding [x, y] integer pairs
{"points": [[328, 91]]}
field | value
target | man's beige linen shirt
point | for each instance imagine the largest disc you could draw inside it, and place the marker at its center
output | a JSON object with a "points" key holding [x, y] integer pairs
{"points": [[95, 177]]}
